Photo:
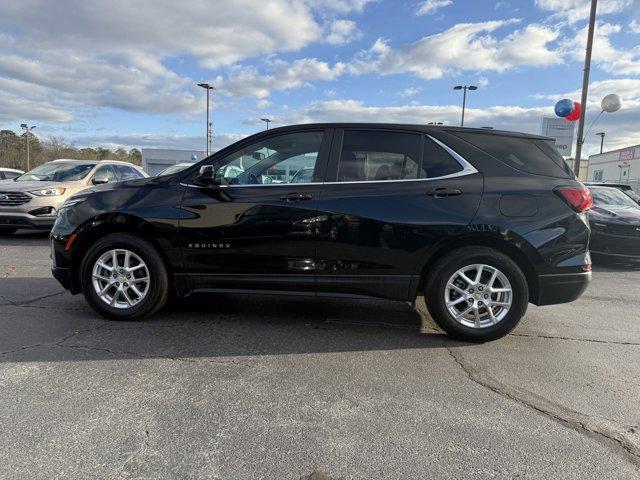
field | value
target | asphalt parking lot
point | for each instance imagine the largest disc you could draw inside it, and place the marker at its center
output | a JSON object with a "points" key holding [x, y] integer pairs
{"points": [[239, 387]]}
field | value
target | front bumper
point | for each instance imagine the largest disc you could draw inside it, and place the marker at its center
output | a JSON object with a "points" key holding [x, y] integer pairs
{"points": [[24, 220], [562, 287], [65, 277]]}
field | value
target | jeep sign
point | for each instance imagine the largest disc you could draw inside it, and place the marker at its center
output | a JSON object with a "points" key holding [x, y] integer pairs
{"points": [[562, 131]]}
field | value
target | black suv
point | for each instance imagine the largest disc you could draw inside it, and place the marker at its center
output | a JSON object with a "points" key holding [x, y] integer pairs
{"points": [[480, 222]]}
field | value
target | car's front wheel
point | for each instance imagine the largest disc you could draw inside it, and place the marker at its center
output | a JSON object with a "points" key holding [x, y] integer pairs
{"points": [[476, 294], [124, 277]]}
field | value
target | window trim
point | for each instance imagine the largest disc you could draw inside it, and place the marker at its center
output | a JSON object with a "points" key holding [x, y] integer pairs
{"points": [[467, 169]]}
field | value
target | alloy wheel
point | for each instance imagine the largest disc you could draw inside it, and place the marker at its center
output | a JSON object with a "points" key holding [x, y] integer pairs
{"points": [[121, 278], [478, 296]]}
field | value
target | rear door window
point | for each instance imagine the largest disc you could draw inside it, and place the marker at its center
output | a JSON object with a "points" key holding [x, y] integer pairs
{"points": [[529, 155], [437, 162], [370, 155]]}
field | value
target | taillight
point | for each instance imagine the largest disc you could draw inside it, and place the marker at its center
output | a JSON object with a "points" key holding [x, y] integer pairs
{"points": [[578, 198]]}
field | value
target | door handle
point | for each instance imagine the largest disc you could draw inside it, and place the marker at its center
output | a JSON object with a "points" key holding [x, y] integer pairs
{"points": [[295, 197], [443, 192]]}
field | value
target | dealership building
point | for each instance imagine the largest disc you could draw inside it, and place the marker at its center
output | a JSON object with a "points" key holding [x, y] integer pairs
{"points": [[154, 160], [616, 166]]}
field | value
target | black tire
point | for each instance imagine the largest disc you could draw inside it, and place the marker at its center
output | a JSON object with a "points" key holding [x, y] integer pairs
{"points": [[8, 231], [439, 275], [158, 291]]}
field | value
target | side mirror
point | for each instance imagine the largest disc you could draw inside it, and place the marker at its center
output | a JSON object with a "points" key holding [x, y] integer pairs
{"points": [[206, 177], [100, 179]]}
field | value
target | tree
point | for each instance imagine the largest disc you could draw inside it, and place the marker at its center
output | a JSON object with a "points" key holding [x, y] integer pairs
{"points": [[135, 156]]}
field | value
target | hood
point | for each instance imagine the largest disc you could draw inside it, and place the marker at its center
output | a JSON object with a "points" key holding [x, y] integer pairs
{"points": [[615, 214], [12, 186]]}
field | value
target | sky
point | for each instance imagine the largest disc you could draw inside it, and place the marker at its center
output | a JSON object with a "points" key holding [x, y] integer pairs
{"points": [[124, 72]]}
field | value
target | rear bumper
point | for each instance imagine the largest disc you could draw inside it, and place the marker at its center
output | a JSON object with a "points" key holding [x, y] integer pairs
{"points": [[561, 288]]}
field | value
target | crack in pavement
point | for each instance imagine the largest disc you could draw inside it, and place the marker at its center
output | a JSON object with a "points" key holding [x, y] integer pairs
{"points": [[29, 301], [574, 339], [54, 342], [620, 442]]}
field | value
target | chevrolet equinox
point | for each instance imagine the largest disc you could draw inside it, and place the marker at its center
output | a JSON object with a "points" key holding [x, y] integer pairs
{"points": [[480, 222]]}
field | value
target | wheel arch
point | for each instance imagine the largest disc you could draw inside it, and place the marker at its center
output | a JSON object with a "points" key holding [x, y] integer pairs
{"points": [[106, 224], [497, 243]]}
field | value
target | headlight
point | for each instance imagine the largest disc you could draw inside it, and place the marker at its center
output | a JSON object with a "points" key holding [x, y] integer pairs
{"points": [[48, 192]]}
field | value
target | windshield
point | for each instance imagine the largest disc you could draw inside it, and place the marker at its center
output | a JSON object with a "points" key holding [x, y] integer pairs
{"points": [[611, 197], [57, 172], [173, 169]]}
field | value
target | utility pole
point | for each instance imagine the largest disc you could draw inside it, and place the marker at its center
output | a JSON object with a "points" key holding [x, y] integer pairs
{"points": [[601, 135], [585, 86], [464, 97], [267, 121], [208, 88], [27, 129]]}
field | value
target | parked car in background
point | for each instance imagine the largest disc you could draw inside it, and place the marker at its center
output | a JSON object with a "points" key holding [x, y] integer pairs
{"points": [[9, 173], [178, 167], [479, 222], [33, 199], [624, 188], [615, 225]]}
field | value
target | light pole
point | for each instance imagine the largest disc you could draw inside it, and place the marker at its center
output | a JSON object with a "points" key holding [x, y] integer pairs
{"points": [[464, 97], [585, 85], [27, 130], [601, 135], [267, 121], [208, 88]]}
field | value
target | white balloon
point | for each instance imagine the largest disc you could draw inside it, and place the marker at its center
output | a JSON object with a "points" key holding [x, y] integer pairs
{"points": [[611, 103]]}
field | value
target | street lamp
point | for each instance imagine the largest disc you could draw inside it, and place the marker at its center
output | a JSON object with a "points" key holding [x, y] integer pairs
{"points": [[207, 87], [267, 121], [27, 130], [601, 135], [464, 97]]}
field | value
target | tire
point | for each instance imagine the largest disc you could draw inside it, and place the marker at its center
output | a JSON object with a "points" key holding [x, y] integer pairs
{"points": [[8, 231], [131, 306], [491, 322]]}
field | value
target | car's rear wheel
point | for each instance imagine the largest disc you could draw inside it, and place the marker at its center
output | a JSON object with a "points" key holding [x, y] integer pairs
{"points": [[124, 277], [8, 231], [476, 294]]}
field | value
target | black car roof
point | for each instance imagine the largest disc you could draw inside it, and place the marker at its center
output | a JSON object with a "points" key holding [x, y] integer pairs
{"points": [[408, 126]]}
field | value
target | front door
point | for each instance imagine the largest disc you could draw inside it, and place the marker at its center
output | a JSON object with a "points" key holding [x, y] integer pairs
{"points": [[256, 230]]}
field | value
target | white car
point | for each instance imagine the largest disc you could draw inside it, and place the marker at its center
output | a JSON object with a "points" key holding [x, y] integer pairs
{"points": [[9, 173]]}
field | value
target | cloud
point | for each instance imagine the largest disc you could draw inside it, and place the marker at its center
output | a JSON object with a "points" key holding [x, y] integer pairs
{"points": [[605, 54], [410, 91], [343, 31], [248, 81], [577, 10], [621, 127], [149, 140], [429, 7], [463, 47], [101, 54]]}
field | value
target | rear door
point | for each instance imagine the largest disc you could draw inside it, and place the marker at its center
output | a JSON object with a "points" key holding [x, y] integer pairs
{"points": [[256, 231], [390, 196]]}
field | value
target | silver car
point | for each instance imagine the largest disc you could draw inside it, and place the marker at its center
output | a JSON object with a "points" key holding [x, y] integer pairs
{"points": [[33, 199]]}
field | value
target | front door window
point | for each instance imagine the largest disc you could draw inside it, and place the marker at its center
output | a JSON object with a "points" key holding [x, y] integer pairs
{"points": [[282, 159]]}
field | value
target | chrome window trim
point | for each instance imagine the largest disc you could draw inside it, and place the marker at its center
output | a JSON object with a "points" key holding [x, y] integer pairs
{"points": [[467, 169]]}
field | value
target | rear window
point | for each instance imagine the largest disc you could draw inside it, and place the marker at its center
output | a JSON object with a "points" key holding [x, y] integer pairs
{"points": [[529, 155]]}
